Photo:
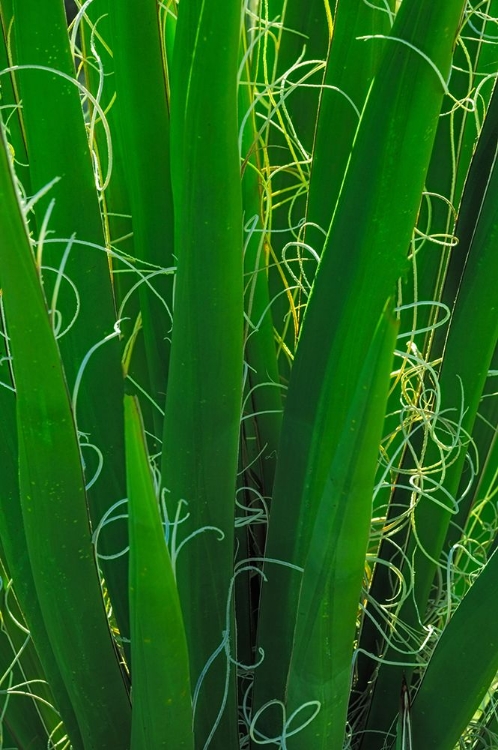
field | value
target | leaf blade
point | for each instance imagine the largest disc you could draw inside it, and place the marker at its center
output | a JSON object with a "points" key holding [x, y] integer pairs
{"points": [[162, 708]]}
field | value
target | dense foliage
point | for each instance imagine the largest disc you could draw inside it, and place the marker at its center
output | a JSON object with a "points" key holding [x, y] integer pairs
{"points": [[248, 326]]}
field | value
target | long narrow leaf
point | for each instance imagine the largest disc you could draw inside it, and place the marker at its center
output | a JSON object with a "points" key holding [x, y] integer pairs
{"points": [[83, 308], [466, 652], [203, 402], [141, 90], [351, 66], [467, 355], [365, 254], [320, 672], [162, 706], [53, 495]]}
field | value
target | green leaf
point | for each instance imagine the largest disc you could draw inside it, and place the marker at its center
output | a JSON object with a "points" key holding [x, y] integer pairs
{"points": [[465, 656], [468, 350], [351, 66], [364, 255], [53, 497], [162, 707], [203, 402], [320, 670], [143, 124], [83, 313], [31, 720], [13, 538]]}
